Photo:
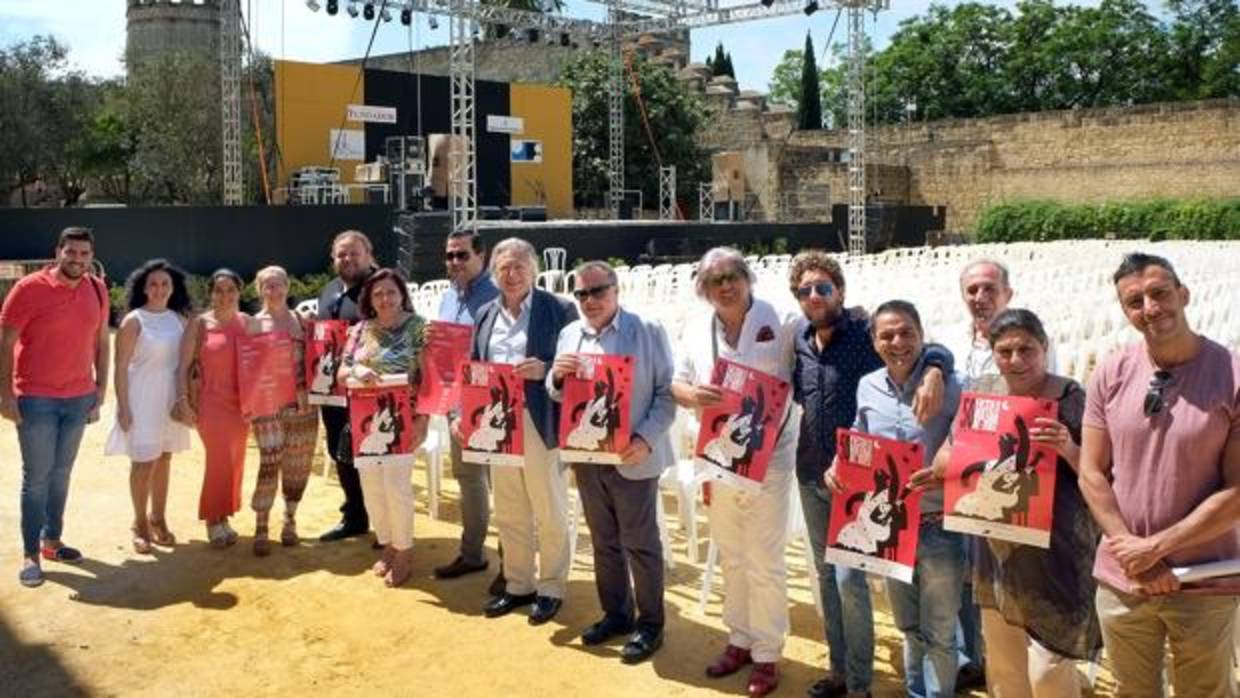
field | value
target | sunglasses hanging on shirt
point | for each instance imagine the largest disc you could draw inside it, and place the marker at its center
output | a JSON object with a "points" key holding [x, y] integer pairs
{"points": [[1154, 397]]}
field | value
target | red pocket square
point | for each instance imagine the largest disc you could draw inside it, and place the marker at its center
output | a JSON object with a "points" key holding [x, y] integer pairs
{"points": [[766, 334]]}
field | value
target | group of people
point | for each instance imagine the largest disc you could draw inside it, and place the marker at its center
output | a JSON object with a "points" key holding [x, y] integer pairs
{"points": [[1147, 456]]}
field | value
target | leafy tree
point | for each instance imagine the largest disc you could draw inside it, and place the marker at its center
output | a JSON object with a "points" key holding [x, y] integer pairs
{"points": [[1204, 53], [674, 114], [43, 106], [809, 106], [173, 105], [718, 65], [785, 84], [727, 66]]}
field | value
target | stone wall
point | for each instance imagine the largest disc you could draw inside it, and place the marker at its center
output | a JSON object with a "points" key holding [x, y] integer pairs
{"points": [[152, 26], [1186, 149]]}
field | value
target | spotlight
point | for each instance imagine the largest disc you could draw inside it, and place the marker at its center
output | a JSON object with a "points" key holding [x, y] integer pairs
{"points": [[314, 6], [811, 7], [406, 17], [368, 12], [532, 35], [768, 3], [565, 39], [501, 31], [432, 23], [352, 9], [333, 7], [385, 15]]}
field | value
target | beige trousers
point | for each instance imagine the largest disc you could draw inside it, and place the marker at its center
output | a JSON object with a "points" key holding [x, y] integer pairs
{"points": [[388, 491], [1018, 666], [1198, 628], [531, 515]]}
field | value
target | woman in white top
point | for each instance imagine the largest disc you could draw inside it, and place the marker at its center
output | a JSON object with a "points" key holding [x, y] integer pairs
{"points": [[146, 364], [750, 529]]}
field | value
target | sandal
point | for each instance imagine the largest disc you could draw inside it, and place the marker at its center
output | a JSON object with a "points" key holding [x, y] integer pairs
{"points": [[288, 534], [384, 563], [400, 569], [230, 536], [160, 535], [141, 542], [262, 546]]}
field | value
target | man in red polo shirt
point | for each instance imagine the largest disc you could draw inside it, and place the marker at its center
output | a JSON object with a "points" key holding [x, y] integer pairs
{"points": [[53, 374]]}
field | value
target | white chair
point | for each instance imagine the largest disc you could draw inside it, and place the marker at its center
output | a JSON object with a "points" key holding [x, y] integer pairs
{"points": [[433, 448]]}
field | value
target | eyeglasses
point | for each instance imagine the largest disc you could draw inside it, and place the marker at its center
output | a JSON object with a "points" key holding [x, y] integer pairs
{"points": [[596, 292], [824, 289], [726, 277], [1154, 401], [458, 256]]}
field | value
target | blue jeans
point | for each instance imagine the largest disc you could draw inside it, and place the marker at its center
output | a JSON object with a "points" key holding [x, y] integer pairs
{"points": [[49, 434], [925, 611], [969, 630], [848, 618]]}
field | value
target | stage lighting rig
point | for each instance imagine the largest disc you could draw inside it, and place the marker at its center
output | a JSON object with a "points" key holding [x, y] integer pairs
{"points": [[368, 11], [406, 17], [333, 7], [811, 7], [314, 6]]}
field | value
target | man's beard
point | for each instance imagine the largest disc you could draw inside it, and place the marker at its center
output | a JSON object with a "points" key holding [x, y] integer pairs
{"points": [[828, 319], [73, 271], [359, 274]]}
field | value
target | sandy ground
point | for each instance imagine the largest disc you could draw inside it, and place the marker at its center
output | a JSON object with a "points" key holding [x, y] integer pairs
{"points": [[193, 621]]}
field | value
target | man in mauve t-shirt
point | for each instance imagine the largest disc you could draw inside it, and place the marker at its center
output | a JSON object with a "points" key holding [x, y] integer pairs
{"points": [[53, 374], [1160, 468]]}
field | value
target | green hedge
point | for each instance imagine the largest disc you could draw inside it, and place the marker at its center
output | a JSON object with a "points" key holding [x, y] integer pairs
{"points": [[1208, 219], [300, 288]]}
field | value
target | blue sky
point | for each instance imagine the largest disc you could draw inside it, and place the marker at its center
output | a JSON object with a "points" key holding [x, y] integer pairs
{"points": [[94, 30]]}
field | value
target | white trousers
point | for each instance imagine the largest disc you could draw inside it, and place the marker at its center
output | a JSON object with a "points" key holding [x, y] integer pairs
{"points": [[1017, 666], [751, 531], [388, 491], [531, 515]]}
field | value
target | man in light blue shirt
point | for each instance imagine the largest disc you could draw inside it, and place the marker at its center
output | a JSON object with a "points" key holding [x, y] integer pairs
{"points": [[925, 611], [472, 287], [621, 501]]}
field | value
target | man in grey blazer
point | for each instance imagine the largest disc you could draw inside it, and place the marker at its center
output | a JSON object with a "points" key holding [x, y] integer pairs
{"points": [[620, 501]]}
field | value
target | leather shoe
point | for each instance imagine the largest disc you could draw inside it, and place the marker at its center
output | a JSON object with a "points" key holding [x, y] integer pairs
{"points": [[763, 679], [505, 603], [499, 585], [545, 608], [970, 676], [458, 568], [641, 646], [343, 530], [605, 630], [831, 686], [728, 663]]}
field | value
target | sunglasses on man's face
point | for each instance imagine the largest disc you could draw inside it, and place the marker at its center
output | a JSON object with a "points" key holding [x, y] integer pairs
{"points": [[1154, 400], [457, 256], [823, 288], [596, 292]]}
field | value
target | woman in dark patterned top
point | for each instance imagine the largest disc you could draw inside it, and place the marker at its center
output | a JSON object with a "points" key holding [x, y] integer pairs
{"points": [[388, 340], [1037, 604]]}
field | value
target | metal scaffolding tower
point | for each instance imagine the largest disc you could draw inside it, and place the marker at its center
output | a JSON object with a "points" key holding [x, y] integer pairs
{"points": [[855, 90], [625, 18], [230, 98], [462, 149], [667, 193], [615, 113]]}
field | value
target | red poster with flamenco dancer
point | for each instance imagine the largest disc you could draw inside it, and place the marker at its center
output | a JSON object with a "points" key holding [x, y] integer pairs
{"points": [[447, 345], [875, 520], [381, 421], [324, 352], [738, 436], [492, 403], [1000, 483], [594, 416], [265, 374]]}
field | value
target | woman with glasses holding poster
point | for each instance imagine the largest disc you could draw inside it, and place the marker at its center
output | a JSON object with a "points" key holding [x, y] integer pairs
{"points": [[1038, 613], [387, 341], [750, 528], [285, 440]]}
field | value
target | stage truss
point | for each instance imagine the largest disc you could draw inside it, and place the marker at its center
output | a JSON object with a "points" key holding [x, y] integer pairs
{"points": [[625, 18]]}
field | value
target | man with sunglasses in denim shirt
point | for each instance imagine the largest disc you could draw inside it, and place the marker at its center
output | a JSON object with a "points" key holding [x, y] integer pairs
{"points": [[1160, 469], [471, 288], [833, 351]]}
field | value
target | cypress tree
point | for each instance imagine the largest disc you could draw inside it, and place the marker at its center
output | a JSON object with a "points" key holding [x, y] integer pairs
{"points": [[809, 107]]}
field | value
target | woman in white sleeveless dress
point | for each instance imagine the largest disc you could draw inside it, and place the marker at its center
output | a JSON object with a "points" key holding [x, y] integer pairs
{"points": [[147, 352]]}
